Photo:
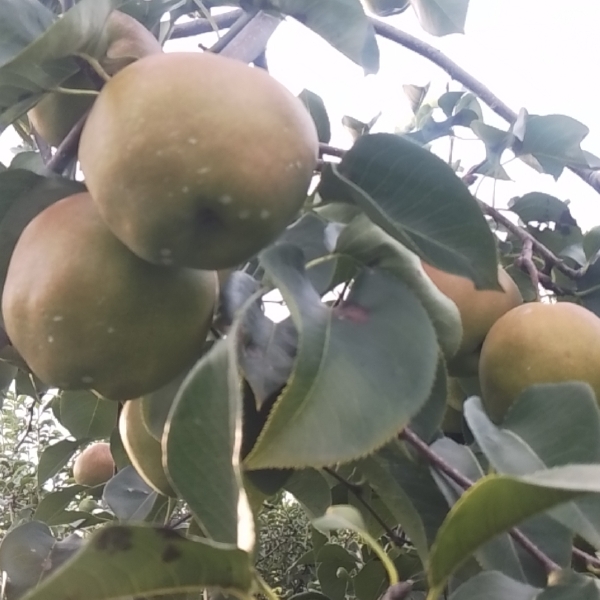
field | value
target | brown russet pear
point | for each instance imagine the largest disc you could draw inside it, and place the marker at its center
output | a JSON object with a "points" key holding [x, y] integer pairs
{"points": [[538, 343], [126, 40], [94, 466], [479, 310], [196, 159], [86, 313], [143, 450]]}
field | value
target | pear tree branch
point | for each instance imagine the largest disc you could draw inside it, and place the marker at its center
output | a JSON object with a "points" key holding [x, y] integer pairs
{"points": [[592, 178], [440, 465], [357, 492]]}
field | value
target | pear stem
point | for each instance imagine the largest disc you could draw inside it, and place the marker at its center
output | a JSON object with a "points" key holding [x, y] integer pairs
{"points": [[75, 92], [95, 64]]}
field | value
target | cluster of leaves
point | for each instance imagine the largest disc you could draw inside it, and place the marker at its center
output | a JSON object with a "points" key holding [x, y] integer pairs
{"points": [[324, 393]]}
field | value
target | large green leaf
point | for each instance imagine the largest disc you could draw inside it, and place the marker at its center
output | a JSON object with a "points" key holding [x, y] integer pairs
{"points": [[54, 458], [549, 425], [492, 585], [342, 23], [55, 503], [554, 141], [417, 199], [363, 369], [495, 504], [86, 416], [543, 208], [310, 488], [201, 446], [406, 486], [120, 561], [129, 496], [441, 17], [372, 246], [29, 553], [21, 22], [502, 553], [48, 60]]}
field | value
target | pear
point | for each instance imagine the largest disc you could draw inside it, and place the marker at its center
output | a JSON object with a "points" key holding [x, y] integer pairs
{"points": [[86, 313], [196, 159]]}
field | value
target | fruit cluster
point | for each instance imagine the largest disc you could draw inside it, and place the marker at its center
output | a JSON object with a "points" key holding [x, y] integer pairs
{"points": [[193, 163], [508, 346]]}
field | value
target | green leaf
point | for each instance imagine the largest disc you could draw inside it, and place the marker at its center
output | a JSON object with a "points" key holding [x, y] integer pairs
{"points": [[348, 517], [86, 416], [502, 553], [316, 107], [417, 198], [342, 23], [129, 496], [554, 141], [568, 585], [492, 585], [201, 445], [47, 61], [21, 22], [498, 502], [29, 553], [377, 350], [441, 17], [426, 423], [371, 581], [543, 208], [591, 242], [156, 406], [332, 558], [120, 561], [386, 8], [373, 247], [310, 488], [55, 503], [393, 476], [543, 429], [54, 458], [316, 237]]}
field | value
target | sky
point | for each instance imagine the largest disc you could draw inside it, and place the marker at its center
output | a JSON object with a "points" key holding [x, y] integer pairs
{"points": [[537, 54]]}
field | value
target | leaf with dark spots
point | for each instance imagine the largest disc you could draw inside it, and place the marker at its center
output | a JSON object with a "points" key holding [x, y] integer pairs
{"points": [[144, 561], [170, 554], [116, 539]]}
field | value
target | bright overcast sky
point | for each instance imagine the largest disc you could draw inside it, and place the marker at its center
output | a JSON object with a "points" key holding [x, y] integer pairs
{"points": [[537, 54]]}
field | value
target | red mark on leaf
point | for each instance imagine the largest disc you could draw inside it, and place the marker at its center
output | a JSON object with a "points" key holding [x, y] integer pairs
{"points": [[352, 312]]}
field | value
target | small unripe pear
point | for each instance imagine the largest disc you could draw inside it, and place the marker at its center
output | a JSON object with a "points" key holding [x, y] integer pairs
{"points": [[94, 466]]}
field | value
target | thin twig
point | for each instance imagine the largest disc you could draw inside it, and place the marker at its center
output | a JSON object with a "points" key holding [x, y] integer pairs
{"points": [[331, 150], [524, 236], [29, 427], [457, 73], [233, 32], [589, 559], [393, 536], [68, 147], [200, 26], [43, 147], [464, 482], [525, 262]]}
